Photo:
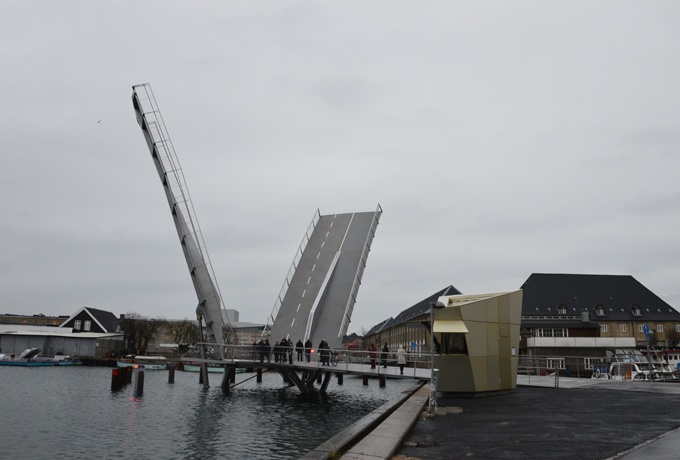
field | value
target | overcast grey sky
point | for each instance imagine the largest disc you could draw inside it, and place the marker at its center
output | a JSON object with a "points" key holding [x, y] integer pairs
{"points": [[501, 139]]}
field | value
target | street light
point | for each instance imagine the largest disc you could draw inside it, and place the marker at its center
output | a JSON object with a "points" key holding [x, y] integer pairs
{"points": [[433, 372]]}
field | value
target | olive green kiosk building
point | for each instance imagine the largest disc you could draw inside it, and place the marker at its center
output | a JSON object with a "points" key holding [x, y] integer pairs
{"points": [[479, 340]]}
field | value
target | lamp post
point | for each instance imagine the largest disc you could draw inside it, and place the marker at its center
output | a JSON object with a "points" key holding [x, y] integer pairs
{"points": [[432, 406]]}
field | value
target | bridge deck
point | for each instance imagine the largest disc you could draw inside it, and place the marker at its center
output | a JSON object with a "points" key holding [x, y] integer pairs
{"points": [[363, 369]]}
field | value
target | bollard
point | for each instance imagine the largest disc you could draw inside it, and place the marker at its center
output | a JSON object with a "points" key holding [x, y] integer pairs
{"points": [[339, 379], [365, 380], [171, 374], [115, 379], [139, 383]]}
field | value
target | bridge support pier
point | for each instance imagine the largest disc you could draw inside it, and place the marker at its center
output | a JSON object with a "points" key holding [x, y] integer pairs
{"points": [[326, 381], [225, 380], [340, 378], [382, 381]]}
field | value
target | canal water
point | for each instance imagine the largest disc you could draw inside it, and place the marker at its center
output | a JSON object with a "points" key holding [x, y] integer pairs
{"points": [[71, 413]]}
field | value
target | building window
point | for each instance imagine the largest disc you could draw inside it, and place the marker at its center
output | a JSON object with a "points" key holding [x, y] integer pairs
{"points": [[605, 328], [562, 310], [677, 328], [87, 325], [454, 344], [590, 363], [636, 310], [76, 325], [550, 332], [623, 327], [555, 363], [659, 328], [599, 310], [641, 328]]}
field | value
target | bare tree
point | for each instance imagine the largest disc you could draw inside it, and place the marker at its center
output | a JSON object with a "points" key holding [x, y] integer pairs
{"points": [[139, 331], [184, 333]]}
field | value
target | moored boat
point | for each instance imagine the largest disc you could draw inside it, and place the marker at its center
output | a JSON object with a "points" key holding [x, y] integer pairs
{"points": [[30, 357], [146, 362]]}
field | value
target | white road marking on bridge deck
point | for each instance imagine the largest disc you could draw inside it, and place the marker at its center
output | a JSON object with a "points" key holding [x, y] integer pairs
{"points": [[327, 233], [291, 324], [314, 267], [298, 309], [331, 224], [323, 243], [317, 256], [303, 293], [309, 279]]}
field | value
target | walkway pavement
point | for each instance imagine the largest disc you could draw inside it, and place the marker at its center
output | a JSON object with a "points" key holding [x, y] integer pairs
{"points": [[582, 419]]}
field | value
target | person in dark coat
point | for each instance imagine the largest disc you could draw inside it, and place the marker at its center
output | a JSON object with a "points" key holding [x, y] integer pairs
{"points": [[299, 349], [383, 355], [324, 353], [308, 350]]}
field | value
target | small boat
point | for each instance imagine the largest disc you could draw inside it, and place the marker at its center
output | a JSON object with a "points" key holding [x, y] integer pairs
{"points": [[144, 362], [30, 357]]}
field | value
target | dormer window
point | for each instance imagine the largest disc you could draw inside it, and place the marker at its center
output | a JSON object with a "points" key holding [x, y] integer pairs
{"points": [[562, 310], [599, 310], [76, 325], [637, 311]]}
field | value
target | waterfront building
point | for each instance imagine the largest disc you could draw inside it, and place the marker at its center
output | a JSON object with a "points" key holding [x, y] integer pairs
{"points": [[410, 328], [89, 332], [589, 316]]}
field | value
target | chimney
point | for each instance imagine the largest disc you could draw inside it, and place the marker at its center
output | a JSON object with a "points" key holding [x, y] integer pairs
{"points": [[585, 316]]}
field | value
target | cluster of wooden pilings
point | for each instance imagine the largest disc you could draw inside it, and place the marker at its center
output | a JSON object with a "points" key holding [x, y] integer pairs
{"points": [[122, 376]]}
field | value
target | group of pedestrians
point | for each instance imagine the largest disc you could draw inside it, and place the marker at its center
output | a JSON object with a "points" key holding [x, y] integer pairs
{"points": [[384, 353], [285, 349]]}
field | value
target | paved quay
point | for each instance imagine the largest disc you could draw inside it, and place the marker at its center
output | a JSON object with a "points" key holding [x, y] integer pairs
{"points": [[582, 419]]}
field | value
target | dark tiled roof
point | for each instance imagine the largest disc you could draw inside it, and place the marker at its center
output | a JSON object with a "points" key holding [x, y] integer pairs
{"points": [[419, 309], [107, 319], [616, 294]]}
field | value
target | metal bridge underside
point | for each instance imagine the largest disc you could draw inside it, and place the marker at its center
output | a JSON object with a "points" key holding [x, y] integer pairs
{"points": [[319, 300]]}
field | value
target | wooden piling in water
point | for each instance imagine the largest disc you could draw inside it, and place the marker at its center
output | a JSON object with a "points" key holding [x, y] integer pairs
{"points": [[139, 383], [259, 375], [339, 379], [365, 380], [382, 381], [115, 379], [171, 374]]}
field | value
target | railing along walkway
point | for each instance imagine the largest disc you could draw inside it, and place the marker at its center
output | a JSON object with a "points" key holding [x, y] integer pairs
{"points": [[341, 361]]}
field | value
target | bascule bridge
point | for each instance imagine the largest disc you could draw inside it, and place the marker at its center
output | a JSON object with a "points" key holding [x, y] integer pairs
{"points": [[320, 290]]}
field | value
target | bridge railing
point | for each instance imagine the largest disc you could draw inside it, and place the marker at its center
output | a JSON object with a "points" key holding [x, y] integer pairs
{"points": [[338, 358]]}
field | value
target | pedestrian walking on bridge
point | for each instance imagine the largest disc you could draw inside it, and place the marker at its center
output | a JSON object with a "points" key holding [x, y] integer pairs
{"points": [[299, 348], [401, 358]]}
